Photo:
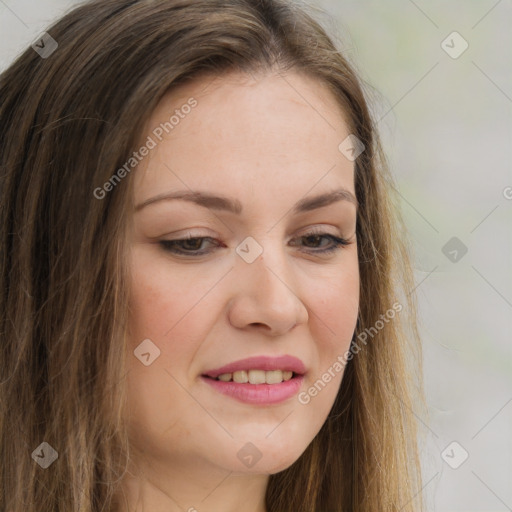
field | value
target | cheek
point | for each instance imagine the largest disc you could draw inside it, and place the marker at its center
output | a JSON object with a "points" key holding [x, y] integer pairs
{"points": [[160, 313], [173, 307], [335, 306], [160, 299], [151, 298]]}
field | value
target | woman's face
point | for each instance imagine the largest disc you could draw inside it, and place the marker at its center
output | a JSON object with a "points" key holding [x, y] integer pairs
{"points": [[261, 277]]}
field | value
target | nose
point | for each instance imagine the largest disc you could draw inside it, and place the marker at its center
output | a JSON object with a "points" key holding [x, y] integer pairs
{"points": [[266, 297]]}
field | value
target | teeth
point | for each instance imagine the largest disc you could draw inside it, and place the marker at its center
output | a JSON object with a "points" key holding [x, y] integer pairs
{"points": [[274, 377], [241, 377], [257, 376]]}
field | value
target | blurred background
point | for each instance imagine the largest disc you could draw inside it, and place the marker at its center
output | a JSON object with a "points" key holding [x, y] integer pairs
{"points": [[439, 77]]}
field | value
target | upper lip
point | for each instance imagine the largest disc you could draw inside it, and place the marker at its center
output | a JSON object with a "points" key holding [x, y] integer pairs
{"points": [[267, 363]]}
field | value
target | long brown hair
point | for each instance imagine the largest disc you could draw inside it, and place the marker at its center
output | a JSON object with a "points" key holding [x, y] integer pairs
{"points": [[68, 121]]}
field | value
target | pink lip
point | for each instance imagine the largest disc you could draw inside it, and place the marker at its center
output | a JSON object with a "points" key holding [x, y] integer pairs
{"points": [[262, 394], [285, 363]]}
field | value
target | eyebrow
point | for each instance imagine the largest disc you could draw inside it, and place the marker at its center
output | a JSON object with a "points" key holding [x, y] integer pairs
{"points": [[216, 202]]}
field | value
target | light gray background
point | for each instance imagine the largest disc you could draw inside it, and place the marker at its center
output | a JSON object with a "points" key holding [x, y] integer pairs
{"points": [[446, 125]]}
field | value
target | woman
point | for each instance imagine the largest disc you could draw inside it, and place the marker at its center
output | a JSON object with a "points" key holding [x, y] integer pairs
{"points": [[206, 300]]}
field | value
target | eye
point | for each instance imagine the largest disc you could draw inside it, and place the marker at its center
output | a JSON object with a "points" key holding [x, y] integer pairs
{"points": [[189, 246], [193, 246], [314, 238]]}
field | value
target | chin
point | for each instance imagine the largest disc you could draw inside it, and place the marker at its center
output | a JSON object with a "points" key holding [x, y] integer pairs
{"points": [[267, 465]]}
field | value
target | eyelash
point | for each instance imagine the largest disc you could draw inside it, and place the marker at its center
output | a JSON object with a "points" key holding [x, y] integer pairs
{"points": [[338, 244]]}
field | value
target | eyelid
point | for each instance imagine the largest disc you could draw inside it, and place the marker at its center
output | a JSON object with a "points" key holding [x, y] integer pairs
{"points": [[320, 228], [191, 233], [337, 243]]}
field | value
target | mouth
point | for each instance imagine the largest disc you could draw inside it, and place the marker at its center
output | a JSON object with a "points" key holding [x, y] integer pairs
{"points": [[258, 380], [255, 376]]}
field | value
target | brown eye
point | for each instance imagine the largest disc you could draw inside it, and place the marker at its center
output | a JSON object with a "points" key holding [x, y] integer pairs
{"points": [[192, 244], [314, 239], [188, 246]]}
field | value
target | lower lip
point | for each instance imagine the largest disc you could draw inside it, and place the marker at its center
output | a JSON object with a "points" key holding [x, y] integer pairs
{"points": [[262, 394]]}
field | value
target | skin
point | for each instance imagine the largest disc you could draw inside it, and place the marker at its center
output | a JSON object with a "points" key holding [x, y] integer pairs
{"points": [[268, 141]]}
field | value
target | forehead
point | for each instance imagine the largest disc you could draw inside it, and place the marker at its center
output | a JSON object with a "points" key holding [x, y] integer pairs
{"points": [[265, 129]]}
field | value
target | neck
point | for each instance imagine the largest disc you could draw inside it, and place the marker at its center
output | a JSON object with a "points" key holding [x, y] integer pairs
{"points": [[190, 487]]}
